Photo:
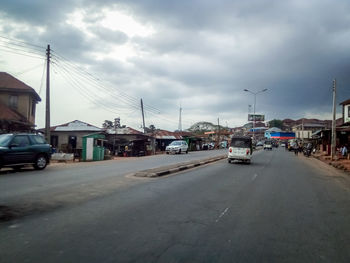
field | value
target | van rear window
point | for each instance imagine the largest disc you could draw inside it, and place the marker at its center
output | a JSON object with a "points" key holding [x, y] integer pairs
{"points": [[241, 143]]}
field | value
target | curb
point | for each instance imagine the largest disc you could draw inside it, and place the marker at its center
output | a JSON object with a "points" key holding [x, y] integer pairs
{"points": [[338, 166], [161, 171]]}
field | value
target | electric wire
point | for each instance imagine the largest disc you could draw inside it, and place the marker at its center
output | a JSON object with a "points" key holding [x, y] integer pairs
{"points": [[42, 78], [23, 42], [19, 53], [99, 82], [21, 49], [84, 84], [78, 86], [66, 77], [28, 69]]}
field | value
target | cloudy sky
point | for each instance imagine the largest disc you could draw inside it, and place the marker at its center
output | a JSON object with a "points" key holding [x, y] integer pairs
{"points": [[200, 55]]}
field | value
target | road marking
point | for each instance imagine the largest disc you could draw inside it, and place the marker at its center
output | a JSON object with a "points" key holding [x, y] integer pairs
{"points": [[255, 175], [222, 214]]}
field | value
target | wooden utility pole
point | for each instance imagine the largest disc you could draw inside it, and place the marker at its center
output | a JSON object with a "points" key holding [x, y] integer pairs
{"points": [[333, 143], [143, 117], [47, 111]]}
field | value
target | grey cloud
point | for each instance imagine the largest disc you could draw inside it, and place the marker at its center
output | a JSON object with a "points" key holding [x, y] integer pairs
{"points": [[112, 36], [293, 48]]}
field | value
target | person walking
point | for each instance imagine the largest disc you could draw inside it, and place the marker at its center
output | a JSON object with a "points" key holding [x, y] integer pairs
{"points": [[296, 149], [344, 151]]}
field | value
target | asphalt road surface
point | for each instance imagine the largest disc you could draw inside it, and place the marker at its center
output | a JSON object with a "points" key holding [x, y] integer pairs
{"points": [[281, 208]]}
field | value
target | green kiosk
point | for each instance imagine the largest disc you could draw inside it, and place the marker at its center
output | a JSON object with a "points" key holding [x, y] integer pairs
{"points": [[93, 149]]}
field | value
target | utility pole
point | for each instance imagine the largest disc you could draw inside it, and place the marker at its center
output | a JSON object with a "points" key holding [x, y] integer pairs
{"points": [[302, 131], [180, 120], [218, 133], [143, 117], [333, 145], [47, 111]]}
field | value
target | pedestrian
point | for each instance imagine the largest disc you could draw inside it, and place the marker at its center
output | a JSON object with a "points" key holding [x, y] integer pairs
{"points": [[344, 151], [296, 149]]}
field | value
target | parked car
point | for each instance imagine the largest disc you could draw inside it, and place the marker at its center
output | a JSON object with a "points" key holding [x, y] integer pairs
{"points": [[17, 150], [268, 145], [177, 147]]}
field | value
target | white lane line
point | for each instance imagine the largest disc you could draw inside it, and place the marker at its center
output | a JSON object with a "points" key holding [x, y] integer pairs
{"points": [[255, 175], [222, 214]]}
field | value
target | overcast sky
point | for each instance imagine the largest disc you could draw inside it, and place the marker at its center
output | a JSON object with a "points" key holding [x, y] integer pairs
{"points": [[107, 55]]}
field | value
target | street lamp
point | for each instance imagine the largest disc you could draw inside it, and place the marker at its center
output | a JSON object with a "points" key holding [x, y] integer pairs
{"points": [[254, 93]]}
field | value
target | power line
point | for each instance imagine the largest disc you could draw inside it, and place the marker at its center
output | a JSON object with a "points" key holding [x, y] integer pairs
{"points": [[99, 82], [78, 77], [66, 77], [19, 53], [42, 78], [28, 69], [23, 42], [88, 95], [22, 48]]}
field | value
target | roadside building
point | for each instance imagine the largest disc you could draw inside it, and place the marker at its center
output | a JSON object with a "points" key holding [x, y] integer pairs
{"points": [[17, 105], [126, 141], [305, 130], [163, 138], [277, 134], [323, 137], [68, 137]]}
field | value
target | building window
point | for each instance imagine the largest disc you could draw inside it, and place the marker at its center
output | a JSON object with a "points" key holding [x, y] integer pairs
{"points": [[13, 101]]}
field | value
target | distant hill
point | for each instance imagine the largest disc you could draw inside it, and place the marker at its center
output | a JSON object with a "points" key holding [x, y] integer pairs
{"points": [[203, 126]]}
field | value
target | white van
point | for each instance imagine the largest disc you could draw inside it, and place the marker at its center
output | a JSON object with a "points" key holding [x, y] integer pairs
{"points": [[240, 149]]}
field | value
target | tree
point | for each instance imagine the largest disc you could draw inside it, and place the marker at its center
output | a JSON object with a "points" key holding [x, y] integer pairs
{"points": [[276, 123], [107, 124]]}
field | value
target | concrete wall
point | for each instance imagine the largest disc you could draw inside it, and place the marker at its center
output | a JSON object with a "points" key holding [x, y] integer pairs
{"points": [[63, 138], [24, 104]]}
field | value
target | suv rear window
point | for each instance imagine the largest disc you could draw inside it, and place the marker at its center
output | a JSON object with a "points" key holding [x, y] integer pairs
{"points": [[241, 143], [37, 139]]}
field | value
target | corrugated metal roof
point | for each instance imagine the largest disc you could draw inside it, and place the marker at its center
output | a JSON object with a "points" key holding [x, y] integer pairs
{"points": [[166, 135], [126, 130], [75, 126]]}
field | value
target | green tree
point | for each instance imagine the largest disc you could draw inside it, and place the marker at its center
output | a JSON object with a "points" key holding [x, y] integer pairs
{"points": [[276, 123]]}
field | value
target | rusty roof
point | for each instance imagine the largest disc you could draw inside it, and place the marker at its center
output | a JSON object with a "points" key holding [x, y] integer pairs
{"points": [[163, 135], [10, 83], [345, 102]]}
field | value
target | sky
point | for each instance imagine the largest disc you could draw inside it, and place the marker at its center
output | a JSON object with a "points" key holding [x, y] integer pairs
{"points": [[198, 55]]}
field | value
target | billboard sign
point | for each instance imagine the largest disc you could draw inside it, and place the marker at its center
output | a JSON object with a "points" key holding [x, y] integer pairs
{"points": [[256, 117], [346, 113]]}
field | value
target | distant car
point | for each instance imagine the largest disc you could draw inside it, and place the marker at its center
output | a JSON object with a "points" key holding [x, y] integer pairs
{"points": [[283, 144], [259, 144], [268, 145], [177, 147], [17, 150]]}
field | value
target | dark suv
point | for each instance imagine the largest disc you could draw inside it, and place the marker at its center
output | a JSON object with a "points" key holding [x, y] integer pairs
{"points": [[17, 150]]}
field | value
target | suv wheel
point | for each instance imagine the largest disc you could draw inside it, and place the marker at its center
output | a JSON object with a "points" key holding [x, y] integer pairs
{"points": [[40, 162]]}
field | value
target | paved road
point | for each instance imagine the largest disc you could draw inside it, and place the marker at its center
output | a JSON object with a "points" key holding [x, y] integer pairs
{"points": [[63, 176], [281, 208]]}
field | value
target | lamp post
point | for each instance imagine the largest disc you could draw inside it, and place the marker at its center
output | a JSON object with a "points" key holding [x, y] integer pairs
{"points": [[254, 93]]}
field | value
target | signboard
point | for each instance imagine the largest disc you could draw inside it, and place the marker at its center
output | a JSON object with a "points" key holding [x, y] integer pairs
{"points": [[256, 117], [346, 113]]}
